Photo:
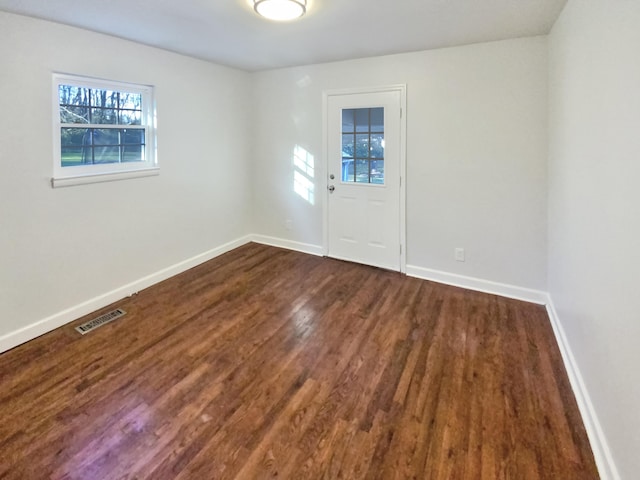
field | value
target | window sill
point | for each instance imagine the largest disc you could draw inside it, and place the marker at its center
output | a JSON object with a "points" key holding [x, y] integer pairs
{"points": [[102, 177]]}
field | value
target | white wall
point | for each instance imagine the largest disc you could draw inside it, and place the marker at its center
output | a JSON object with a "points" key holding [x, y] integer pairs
{"points": [[476, 154], [594, 208], [61, 247]]}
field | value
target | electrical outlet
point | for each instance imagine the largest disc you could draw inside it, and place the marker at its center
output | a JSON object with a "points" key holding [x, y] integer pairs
{"points": [[288, 224], [459, 254]]}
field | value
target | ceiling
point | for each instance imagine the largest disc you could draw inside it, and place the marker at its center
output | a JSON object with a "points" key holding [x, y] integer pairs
{"points": [[228, 32]]}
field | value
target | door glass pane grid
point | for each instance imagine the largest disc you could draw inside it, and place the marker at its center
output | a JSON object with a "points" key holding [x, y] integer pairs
{"points": [[363, 145]]}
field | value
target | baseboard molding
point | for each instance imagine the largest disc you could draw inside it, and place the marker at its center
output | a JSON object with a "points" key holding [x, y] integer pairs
{"points": [[478, 284], [288, 244], [13, 339], [599, 445]]}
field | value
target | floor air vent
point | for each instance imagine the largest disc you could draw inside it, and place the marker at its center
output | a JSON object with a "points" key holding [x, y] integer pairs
{"points": [[99, 321]]}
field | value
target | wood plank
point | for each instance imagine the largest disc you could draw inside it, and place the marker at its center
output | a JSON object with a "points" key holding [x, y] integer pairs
{"points": [[268, 363]]}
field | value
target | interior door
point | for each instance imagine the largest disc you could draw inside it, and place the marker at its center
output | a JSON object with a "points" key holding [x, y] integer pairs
{"points": [[363, 150]]}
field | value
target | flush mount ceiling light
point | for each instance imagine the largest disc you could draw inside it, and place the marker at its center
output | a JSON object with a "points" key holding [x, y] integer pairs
{"points": [[280, 9]]}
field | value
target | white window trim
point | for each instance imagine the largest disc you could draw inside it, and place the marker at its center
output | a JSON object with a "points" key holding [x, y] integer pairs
{"points": [[83, 174]]}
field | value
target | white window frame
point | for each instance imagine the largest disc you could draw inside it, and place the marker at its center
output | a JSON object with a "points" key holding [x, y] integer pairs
{"points": [[82, 174]]}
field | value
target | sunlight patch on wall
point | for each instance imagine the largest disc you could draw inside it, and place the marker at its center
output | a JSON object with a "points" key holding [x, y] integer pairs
{"points": [[303, 174]]}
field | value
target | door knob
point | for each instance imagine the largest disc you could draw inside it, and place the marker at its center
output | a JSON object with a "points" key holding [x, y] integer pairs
{"points": [[331, 188]]}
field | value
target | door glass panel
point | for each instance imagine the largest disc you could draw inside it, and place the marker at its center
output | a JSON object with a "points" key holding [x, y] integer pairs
{"points": [[347, 170], [377, 119], [362, 119], [348, 146], [377, 172], [377, 145], [362, 171], [348, 124], [363, 145]]}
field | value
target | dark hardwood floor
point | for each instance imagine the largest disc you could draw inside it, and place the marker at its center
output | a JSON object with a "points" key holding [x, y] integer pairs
{"points": [[268, 363]]}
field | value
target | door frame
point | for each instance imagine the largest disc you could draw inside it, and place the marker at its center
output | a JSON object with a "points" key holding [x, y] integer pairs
{"points": [[402, 89]]}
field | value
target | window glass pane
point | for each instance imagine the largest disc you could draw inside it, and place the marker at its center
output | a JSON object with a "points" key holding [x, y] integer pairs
{"points": [[362, 171], [104, 136], [131, 135], [133, 153], [377, 119], [70, 114], [377, 172], [347, 145], [104, 154], [377, 145], [347, 170], [362, 145], [362, 119], [109, 146], [73, 137], [130, 117], [347, 120], [104, 98], [72, 156], [104, 115], [130, 101], [70, 95]]}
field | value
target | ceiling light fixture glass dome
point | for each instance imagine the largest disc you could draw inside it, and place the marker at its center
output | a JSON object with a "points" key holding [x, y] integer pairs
{"points": [[281, 10]]}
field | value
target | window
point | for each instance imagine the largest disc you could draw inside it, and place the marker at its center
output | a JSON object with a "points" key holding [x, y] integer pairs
{"points": [[363, 145], [103, 131]]}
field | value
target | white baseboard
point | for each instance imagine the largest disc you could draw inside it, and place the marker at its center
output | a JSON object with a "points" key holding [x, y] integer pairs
{"points": [[288, 244], [478, 284], [599, 445], [15, 338]]}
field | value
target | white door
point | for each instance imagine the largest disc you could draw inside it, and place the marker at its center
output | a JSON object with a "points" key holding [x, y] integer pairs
{"points": [[363, 152]]}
